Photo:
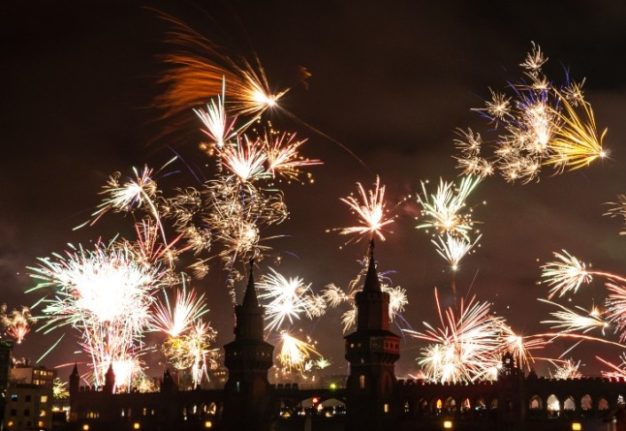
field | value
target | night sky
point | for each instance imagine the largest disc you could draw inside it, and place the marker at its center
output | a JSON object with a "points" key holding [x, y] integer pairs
{"points": [[390, 80]]}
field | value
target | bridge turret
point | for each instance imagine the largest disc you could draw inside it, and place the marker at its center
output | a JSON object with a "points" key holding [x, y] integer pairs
{"points": [[372, 351]]}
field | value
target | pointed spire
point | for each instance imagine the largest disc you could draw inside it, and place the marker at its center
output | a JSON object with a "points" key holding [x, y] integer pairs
{"points": [[250, 300], [372, 283], [74, 370]]}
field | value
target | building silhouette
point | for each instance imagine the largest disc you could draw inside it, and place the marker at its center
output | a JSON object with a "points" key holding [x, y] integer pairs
{"points": [[371, 398]]}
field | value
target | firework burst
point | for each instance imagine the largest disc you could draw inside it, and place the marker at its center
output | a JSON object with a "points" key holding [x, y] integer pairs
{"points": [[105, 293], [370, 209], [200, 70], [541, 124], [287, 299], [17, 323], [469, 343]]}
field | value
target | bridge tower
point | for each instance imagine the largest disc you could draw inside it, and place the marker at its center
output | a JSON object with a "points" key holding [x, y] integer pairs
{"points": [[247, 393], [372, 351]]}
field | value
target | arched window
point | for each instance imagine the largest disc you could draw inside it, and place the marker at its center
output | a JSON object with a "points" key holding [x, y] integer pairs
{"points": [[586, 403], [362, 381], [569, 404], [423, 405], [620, 400], [438, 404], [494, 404], [553, 405], [603, 404], [535, 403], [480, 404], [450, 405], [466, 405]]}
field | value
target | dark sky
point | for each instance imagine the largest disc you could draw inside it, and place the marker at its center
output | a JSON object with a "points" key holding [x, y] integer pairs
{"points": [[391, 80]]}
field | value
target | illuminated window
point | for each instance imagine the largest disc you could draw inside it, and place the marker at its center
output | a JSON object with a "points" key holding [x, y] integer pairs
{"points": [[208, 424], [447, 425], [386, 408], [136, 426], [43, 399], [577, 426], [13, 397], [362, 381], [439, 404], [40, 424], [85, 427], [42, 413]]}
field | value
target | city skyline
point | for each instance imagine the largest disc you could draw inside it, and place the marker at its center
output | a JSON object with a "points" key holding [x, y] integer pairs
{"points": [[397, 111]]}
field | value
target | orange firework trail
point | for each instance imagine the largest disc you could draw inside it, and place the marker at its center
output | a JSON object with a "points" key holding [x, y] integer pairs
{"points": [[199, 70]]}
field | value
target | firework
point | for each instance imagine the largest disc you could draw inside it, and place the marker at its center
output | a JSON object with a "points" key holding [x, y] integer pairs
{"points": [[616, 371], [577, 142], [567, 273], [17, 323], [542, 124], [468, 344], [370, 209], [245, 160], [577, 319], [105, 293], [566, 370], [175, 320], [59, 389], [295, 354], [217, 126], [283, 158], [127, 196], [618, 209], [193, 351], [616, 304], [287, 298], [200, 70], [453, 250], [446, 210]]}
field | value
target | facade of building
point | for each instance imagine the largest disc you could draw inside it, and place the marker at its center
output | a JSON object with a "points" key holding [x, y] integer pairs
{"points": [[28, 407], [31, 375], [370, 398]]}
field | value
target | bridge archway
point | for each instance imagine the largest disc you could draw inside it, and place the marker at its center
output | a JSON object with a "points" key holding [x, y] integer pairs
{"points": [[553, 405], [586, 403], [603, 404], [450, 405], [535, 403], [569, 404]]}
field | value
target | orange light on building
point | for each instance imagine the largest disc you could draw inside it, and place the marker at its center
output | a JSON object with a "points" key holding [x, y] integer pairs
{"points": [[85, 427], [447, 425], [577, 426], [208, 424], [136, 426]]}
